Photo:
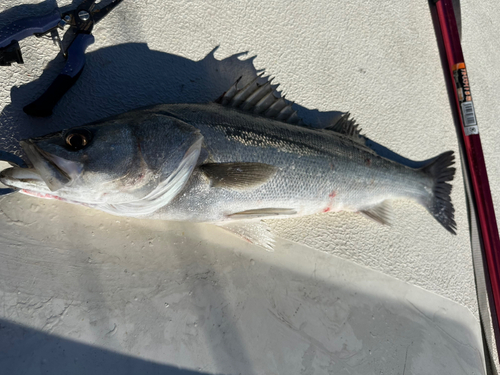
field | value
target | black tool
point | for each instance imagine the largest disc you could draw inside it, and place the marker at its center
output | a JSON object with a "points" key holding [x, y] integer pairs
{"points": [[81, 22]]}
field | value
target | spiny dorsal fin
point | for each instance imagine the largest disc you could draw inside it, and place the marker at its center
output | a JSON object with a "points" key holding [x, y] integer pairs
{"points": [[348, 127], [260, 97], [238, 176]]}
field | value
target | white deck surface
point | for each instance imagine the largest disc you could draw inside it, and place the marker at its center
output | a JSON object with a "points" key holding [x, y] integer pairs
{"points": [[82, 291]]}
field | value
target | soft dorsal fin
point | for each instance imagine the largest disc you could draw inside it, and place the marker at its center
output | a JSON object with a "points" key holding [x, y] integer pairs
{"points": [[260, 97], [347, 127]]}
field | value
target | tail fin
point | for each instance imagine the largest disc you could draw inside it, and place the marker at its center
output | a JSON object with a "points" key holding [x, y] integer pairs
{"points": [[439, 204]]}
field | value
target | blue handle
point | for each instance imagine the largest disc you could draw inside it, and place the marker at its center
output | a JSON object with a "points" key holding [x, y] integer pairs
{"points": [[42, 107], [28, 26], [76, 54]]}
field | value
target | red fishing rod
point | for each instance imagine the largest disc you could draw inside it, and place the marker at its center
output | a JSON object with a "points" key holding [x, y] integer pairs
{"points": [[480, 201]]}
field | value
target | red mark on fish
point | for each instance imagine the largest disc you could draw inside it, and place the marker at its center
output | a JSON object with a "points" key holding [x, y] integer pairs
{"points": [[332, 195], [41, 195]]}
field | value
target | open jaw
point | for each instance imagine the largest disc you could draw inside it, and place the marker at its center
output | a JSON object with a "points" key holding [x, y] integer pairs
{"points": [[49, 173]]}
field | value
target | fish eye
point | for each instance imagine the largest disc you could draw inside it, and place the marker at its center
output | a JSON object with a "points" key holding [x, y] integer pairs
{"points": [[78, 139]]}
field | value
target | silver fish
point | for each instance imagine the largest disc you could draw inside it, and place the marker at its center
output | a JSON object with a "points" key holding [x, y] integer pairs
{"points": [[245, 158]]}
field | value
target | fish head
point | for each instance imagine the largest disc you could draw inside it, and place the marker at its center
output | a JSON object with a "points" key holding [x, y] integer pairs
{"points": [[117, 161], [81, 158]]}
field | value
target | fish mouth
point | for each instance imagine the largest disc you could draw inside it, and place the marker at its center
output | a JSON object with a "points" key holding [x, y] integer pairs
{"points": [[53, 171]]}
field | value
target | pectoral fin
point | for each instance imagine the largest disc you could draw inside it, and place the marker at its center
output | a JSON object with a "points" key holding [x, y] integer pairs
{"points": [[238, 176]]}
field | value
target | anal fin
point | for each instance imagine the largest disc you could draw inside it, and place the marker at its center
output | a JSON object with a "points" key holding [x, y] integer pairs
{"points": [[380, 213], [255, 232]]}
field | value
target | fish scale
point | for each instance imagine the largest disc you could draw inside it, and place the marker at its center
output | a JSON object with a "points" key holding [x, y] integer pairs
{"points": [[232, 136]]}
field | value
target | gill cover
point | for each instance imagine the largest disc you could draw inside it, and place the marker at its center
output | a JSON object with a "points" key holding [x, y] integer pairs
{"points": [[164, 192]]}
